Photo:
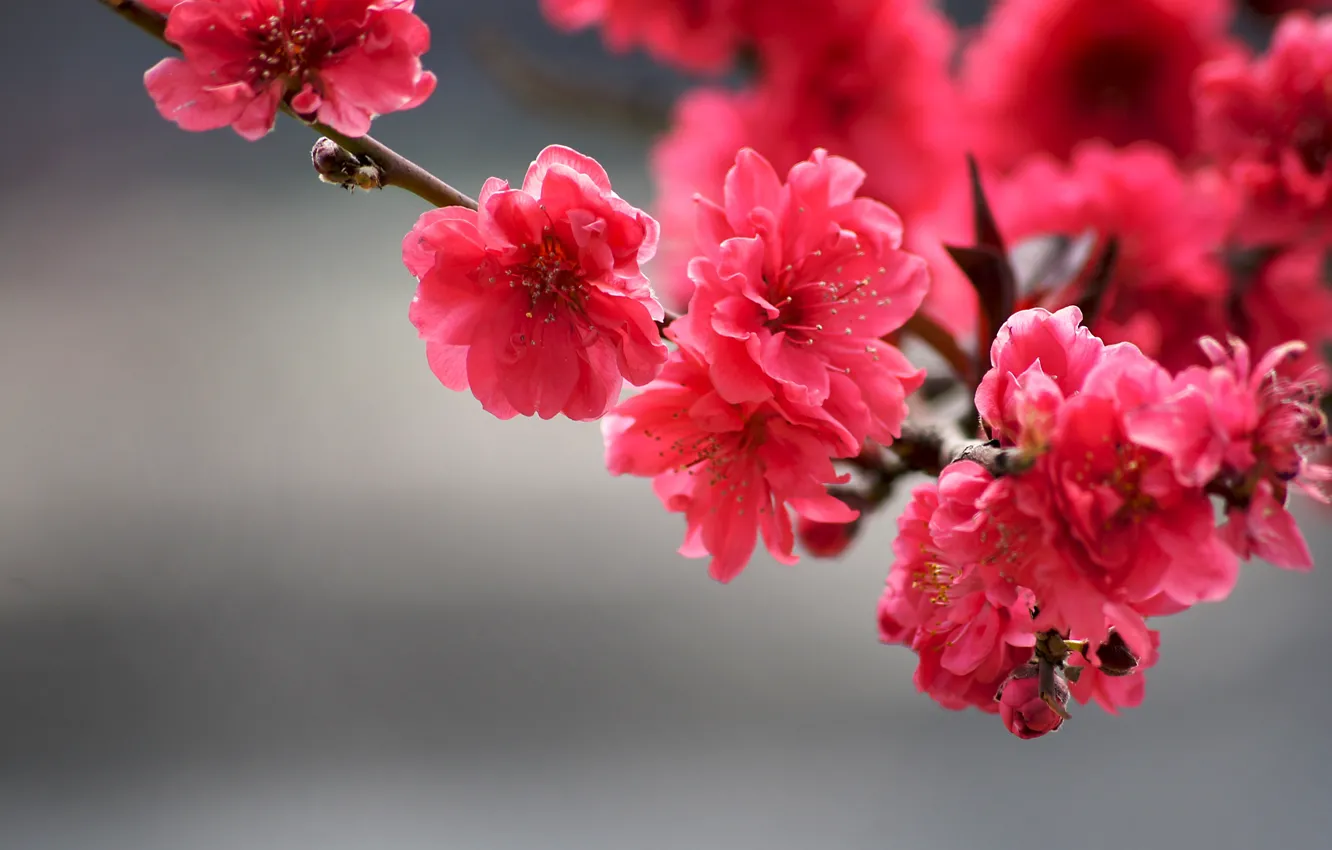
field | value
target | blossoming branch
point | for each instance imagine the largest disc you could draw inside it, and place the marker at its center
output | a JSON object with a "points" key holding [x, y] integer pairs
{"points": [[1110, 226]]}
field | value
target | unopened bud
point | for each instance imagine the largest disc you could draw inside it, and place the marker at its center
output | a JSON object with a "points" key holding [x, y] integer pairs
{"points": [[830, 539], [1115, 657], [339, 166], [1032, 701], [826, 539]]}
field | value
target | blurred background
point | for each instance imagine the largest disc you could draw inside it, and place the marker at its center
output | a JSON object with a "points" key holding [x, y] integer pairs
{"points": [[265, 584]]}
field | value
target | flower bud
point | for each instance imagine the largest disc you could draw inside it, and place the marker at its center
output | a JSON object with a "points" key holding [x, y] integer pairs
{"points": [[826, 539], [1115, 657], [339, 166], [1024, 709], [830, 539]]}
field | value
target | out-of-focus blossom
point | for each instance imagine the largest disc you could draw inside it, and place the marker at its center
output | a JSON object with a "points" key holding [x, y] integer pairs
{"points": [[733, 470], [798, 284], [340, 62], [1169, 286], [1268, 124], [710, 126], [536, 301], [1289, 296], [700, 35], [869, 81], [1024, 712], [1280, 7], [969, 626], [1044, 75]]}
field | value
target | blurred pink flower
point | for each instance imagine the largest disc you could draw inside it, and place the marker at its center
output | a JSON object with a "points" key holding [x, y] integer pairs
{"points": [[1287, 298], [733, 470], [1044, 75], [1169, 286], [536, 302], [1268, 123], [700, 35], [341, 62]]}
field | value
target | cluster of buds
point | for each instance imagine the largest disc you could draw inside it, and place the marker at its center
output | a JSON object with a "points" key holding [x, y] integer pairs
{"points": [[1033, 700]]}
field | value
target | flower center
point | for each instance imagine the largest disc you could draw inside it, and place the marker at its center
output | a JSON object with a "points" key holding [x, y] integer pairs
{"points": [[804, 307], [288, 49], [551, 278], [935, 580], [1113, 76]]}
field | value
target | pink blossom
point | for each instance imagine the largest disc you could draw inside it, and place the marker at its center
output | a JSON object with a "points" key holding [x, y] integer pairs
{"points": [[1287, 298], [1268, 123], [1123, 520], [1169, 286], [1024, 712], [1114, 692], [1055, 344], [1264, 529], [969, 625], [799, 283], [340, 62], [536, 301], [1099, 527], [1247, 430], [733, 470], [1045, 75], [700, 35], [868, 81]]}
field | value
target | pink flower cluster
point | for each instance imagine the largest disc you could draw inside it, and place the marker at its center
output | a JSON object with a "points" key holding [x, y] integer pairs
{"points": [[1119, 472], [781, 361], [536, 302], [1111, 520]]}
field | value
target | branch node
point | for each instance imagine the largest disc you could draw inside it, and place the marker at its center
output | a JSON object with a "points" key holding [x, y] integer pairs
{"points": [[339, 166]]}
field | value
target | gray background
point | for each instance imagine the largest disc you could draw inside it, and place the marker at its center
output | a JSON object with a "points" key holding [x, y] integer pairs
{"points": [[265, 584]]}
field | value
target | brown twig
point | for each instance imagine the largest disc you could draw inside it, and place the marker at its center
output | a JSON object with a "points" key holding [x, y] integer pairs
{"points": [[930, 448], [395, 169]]}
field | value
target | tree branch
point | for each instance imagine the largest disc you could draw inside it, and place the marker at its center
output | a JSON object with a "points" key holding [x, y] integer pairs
{"points": [[394, 168], [929, 449]]}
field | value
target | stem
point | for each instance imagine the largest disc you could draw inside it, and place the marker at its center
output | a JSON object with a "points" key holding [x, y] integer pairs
{"points": [[930, 448], [395, 169]]}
